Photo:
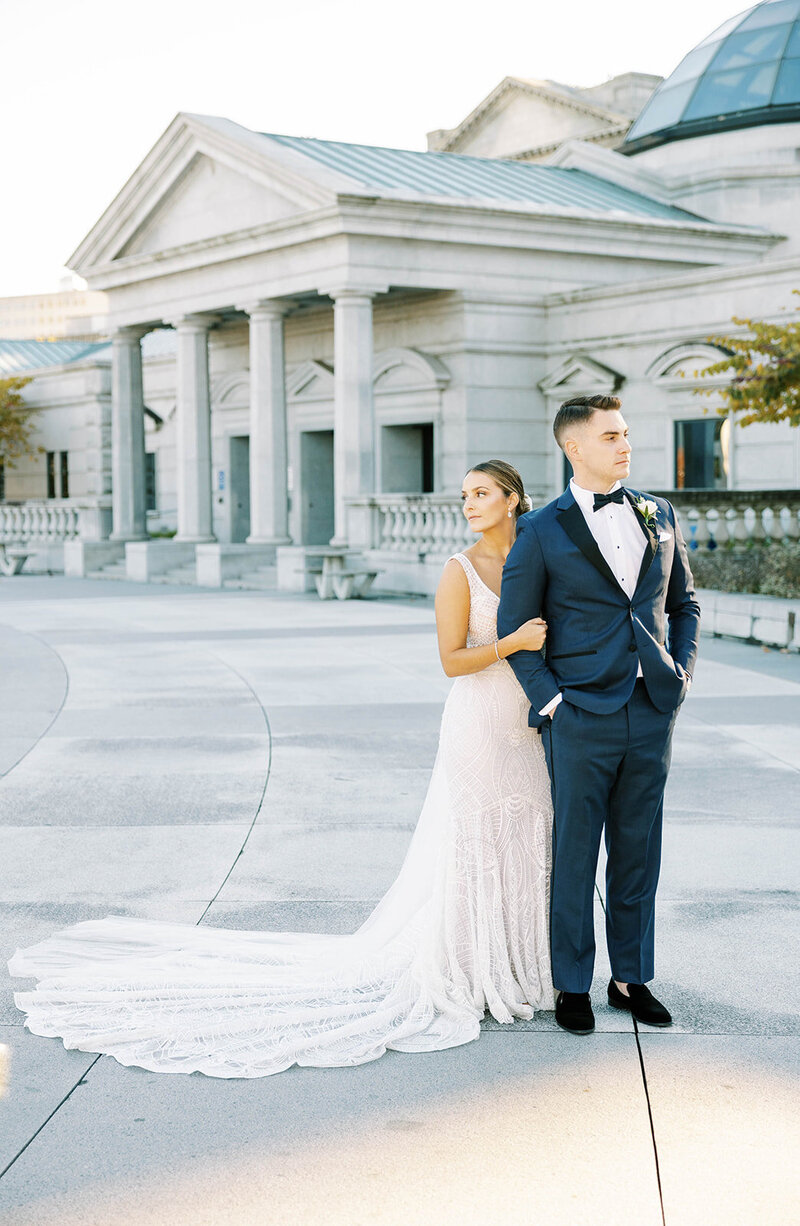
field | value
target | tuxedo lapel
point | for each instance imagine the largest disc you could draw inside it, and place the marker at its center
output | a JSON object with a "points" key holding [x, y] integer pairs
{"points": [[650, 536], [570, 516]]}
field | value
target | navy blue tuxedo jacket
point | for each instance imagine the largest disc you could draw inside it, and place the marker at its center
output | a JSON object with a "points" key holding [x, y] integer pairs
{"points": [[596, 635]]}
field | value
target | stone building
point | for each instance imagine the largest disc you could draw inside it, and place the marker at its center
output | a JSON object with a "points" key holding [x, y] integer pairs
{"points": [[313, 340]]}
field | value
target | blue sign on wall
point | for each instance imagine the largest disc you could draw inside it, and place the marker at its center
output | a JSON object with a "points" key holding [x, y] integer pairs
{"points": [[221, 479]]}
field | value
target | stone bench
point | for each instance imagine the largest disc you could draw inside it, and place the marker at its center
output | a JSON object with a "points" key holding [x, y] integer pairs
{"points": [[345, 584], [13, 558]]}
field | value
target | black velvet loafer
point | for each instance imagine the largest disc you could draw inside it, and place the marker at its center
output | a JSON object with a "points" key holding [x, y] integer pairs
{"points": [[641, 1003], [574, 1012]]}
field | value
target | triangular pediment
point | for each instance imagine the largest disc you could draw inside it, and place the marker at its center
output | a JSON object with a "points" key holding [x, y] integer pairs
{"points": [[310, 381], [209, 199], [581, 375], [205, 178], [521, 114]]}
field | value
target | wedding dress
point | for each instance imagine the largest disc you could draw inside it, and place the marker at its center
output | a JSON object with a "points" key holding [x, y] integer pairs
{"points": [[463, 929]]}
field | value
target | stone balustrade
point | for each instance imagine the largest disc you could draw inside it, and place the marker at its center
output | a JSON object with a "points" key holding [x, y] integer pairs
{"points": [[422, 525], [417, 525], [737, 519], [53, 521]]}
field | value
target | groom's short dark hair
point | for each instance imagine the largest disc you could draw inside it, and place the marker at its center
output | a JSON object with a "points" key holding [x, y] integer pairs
{"points": [[578, 410]]}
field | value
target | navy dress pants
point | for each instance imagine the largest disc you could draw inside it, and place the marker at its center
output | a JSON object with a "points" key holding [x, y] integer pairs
{"points": [[607, 773]]}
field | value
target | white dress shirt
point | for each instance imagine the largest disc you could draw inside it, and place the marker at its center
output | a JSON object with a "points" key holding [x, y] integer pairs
{"points": [[620, 540]]}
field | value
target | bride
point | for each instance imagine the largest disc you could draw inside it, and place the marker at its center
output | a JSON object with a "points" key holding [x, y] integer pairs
{"points": [[463, 929]]}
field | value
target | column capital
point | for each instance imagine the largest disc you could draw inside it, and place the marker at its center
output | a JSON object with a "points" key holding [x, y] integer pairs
{"points": [[264, 308], [350, 292], [200, 321], [131, 334]]}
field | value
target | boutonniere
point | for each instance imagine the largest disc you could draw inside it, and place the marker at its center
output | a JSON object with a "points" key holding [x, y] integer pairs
{"points": [[647, 509]]}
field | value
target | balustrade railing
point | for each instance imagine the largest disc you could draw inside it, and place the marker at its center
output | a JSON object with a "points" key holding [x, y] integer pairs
{"points": [[51, 521], [418, 525], [737, 519]]}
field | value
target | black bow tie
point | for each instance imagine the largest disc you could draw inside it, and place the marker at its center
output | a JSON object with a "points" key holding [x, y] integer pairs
{"points": [[602, 500]]}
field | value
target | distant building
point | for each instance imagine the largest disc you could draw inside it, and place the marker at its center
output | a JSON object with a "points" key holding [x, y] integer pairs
{"points": [[74, 314], [314, 340]]}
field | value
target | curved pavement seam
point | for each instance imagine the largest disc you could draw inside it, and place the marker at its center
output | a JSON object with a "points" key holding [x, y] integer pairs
{"points": [[236, 859], [46, 1121], [262, 797], [64, 696]]}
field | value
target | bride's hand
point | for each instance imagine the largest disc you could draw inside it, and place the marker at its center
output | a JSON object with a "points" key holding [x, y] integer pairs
{"points": [[531, 635]]}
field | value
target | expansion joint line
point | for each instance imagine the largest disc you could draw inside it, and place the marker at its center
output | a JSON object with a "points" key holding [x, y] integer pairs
{"points": [[646, 1089], [650, 1118], [81, 1081]]}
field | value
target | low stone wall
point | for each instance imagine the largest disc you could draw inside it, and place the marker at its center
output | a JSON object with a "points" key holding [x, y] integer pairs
{"points": [[755, 619]]}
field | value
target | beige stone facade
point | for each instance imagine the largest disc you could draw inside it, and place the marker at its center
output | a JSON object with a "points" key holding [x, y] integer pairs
{"points": [[312, 342]]}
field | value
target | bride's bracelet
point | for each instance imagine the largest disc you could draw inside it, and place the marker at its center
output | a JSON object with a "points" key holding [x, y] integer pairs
{"points": [[496, 651]]}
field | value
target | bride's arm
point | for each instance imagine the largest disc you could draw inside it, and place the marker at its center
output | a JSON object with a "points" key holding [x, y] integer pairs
{"points": [[452, 622]]}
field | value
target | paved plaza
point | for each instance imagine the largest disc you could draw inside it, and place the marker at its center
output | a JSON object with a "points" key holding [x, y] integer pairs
{"points": [[252, 760]]}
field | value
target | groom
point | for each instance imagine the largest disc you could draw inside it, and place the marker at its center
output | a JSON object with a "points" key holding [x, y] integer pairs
{"points": [[607, 569]]}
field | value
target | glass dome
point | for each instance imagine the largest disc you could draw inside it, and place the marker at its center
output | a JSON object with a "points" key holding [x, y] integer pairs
{"points": [[746, 73]]}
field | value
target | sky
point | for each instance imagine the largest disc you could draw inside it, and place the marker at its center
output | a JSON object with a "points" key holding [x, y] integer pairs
{"points": [[90, 85]]}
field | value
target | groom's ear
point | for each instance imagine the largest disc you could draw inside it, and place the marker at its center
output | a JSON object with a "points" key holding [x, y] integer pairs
{"points": [[571, 449]]}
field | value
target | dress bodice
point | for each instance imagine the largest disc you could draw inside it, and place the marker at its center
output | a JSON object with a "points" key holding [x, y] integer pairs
{"points": [[483, 604]]}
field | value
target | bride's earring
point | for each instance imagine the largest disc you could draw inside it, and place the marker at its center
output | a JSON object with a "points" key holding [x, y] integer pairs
{"points": [[509, 515]]}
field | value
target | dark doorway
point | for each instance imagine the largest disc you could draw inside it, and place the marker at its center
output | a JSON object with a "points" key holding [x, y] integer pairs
{"points": [[240, 488], [407, 459], [316, 486]]}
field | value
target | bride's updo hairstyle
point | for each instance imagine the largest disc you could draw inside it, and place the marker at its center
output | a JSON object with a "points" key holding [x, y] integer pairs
{"points": [[508, 479]]}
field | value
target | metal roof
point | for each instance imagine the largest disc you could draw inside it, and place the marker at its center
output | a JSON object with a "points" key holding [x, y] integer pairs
{"points": [[456, 176], [18, 356]]}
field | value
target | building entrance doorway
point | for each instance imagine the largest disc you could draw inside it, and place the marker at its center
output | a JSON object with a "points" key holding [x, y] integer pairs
{"points": [[407, 459], [240, 488], [316, 485]]}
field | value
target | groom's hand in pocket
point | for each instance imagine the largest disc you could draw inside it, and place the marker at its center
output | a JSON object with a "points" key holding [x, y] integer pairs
{"points": [[550, 710]]}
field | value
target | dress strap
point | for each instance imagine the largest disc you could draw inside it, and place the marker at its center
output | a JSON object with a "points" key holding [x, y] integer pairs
{"points": [[467, 566], [473, 578]]}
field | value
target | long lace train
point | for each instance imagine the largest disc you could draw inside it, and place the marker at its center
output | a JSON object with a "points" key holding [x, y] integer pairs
{"points": [[463, 929]]}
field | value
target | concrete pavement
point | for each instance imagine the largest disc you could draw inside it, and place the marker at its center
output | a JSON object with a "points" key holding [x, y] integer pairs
{"points": [[258, 761]]}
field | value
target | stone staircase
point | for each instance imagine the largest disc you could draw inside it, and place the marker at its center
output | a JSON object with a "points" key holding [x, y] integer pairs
{"points": [[185, 575], [114, 570], [261, 578]]}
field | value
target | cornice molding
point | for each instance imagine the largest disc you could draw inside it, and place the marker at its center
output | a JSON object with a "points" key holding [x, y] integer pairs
{"points": [[589, 138], [767, 272], [341, 232]]}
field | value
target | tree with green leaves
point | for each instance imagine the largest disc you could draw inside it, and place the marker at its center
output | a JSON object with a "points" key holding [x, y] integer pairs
{"points": [[16, 422], [764, 366]]}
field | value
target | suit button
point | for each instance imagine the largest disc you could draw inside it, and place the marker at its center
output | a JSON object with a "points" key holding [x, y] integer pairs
{"points": [[632, 647]]}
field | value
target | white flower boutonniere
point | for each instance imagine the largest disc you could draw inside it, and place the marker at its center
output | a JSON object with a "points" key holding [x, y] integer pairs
{"points": [[647, 509]]}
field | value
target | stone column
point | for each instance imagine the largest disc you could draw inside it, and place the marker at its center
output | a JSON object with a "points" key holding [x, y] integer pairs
{"points": [[129, 521], [354, 409], [193, 434], [269, 495]]}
